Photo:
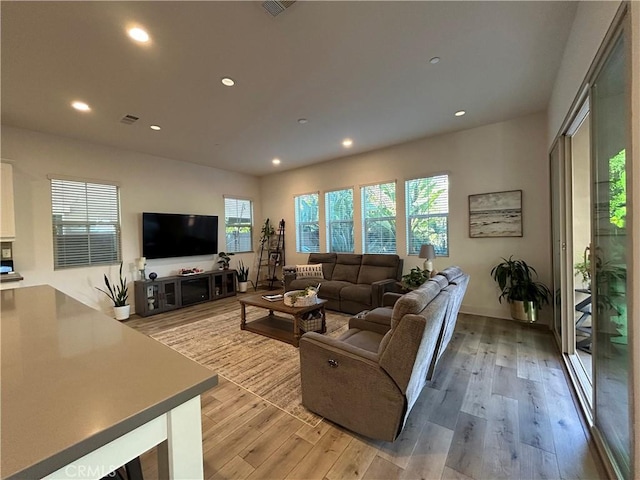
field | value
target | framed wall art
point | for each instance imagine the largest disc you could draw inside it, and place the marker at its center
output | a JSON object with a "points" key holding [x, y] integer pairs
{"points": [[496, 214]]}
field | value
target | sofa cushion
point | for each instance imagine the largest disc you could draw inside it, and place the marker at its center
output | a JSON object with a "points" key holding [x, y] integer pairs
{"points": [[328, 261], [357, 293], [331, 289], [414, 302], [441, 280], [364, 339], [376, 267], [347, 268], [309, 271], [380, 315], [452, 273]]}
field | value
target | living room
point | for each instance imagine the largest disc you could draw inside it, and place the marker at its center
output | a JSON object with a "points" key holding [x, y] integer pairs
{"points": [[509, 154]]}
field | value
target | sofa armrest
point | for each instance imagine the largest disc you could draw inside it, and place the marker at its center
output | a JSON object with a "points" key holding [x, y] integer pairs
{"points": [[379, 288], [288, 275], [334, 344], [389, 299]]}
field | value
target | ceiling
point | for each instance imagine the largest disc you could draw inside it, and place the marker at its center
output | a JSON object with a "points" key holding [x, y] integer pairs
{"points": [[353, 69]]}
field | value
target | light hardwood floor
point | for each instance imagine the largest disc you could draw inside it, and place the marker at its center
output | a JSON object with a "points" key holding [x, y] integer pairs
{"points": [[499, 406]]}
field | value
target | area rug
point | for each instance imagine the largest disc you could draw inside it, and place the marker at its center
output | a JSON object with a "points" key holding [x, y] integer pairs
{"points": [[266, 367]]}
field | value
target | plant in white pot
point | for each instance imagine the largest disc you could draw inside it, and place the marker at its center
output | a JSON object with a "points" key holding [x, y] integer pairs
{"points": [[242, 273], [118, 294], [518, 286]]}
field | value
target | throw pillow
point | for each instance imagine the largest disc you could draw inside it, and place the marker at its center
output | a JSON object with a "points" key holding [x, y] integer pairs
{"points": [[309, 271]]}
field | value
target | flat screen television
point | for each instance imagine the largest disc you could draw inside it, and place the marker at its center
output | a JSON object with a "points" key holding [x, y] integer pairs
{"points": [[166, 235]]}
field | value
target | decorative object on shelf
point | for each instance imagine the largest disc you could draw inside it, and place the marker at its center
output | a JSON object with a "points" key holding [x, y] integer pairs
{"points": [[266, 232], [496, 214], [141, 264], [518, 286], [243, 276], [224, 259], [189, 271], [118, 294], [153, 275], [415, 278], [301, 298], [428, 253]]}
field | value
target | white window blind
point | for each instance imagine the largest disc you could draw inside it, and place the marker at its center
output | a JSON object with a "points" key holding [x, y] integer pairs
{"points": [[427, 201], [307, 223], [379, 218], [86, 223], [339, 208], [238, 222]]}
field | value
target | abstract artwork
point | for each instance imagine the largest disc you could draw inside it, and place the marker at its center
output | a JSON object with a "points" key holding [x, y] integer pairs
{"points": [[497, 214]]}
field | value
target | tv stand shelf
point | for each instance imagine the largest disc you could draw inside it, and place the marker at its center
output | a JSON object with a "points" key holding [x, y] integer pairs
{"points": [[169, 293]]}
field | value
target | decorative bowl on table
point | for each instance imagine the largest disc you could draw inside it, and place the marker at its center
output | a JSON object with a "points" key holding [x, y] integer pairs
{"points": [[301, 298]]}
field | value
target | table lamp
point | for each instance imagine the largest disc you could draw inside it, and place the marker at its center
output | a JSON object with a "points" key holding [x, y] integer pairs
{"points": [[428, 253]]}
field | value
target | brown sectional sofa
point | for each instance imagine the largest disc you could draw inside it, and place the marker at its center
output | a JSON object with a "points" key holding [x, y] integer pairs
{"points": [[368, 379], [351, 282]]}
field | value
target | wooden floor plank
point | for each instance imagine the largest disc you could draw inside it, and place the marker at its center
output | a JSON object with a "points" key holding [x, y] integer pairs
{"points": [[536, 464], [354, 461], [430, 455], [534, 424], [266, 444], [381, 469], [234, 469], [502, 440], [505, 382], [478, 394], [283, 460], [467, 445], [322, 455]]}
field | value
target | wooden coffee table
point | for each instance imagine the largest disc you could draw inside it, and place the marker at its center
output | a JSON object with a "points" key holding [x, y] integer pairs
{"points": [[275, 326]]}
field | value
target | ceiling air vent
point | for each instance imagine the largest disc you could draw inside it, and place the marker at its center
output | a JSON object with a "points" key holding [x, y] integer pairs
{"points": [[275, 7], [129, 119]]}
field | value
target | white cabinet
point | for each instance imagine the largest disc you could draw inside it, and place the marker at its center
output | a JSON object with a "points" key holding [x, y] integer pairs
{"points": [[7, 215]]}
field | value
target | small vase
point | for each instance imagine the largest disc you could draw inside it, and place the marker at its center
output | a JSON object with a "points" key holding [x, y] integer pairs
{"points": [[122, 313]]}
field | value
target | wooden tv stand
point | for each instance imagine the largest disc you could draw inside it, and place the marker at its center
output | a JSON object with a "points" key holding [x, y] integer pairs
{"points": [[169, 293]]}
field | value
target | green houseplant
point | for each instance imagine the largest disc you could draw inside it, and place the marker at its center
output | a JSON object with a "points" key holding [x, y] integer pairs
{"points": [[415, 278], [519, 287], [242, 273], [224, 259], [118, 293]]}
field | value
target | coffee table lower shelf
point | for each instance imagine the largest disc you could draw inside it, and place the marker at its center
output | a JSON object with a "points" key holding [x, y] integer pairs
{"points": [[273, 326]]}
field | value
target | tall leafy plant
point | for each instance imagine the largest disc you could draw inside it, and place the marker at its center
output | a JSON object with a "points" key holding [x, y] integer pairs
{"points": [[118, 293], [517, 282]]}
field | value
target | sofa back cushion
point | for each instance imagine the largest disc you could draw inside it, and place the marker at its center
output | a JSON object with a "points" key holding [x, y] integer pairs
{"points": [[328, 261], [414, 302], [347, 268], [376, 267], [452, 273]]}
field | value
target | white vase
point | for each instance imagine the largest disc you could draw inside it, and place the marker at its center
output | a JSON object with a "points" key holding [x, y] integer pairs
{"points": [[122, 313], [242, 287]]}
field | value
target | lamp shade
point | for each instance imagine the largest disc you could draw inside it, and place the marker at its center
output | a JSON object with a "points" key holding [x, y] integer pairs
{"points": [[427, 251]]}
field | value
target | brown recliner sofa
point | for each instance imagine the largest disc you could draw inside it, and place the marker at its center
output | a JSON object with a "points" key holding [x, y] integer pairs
{"points": [[350, 282], [368, 381]]}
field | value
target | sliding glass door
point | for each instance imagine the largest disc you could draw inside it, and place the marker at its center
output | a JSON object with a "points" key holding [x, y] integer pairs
{"points": [[609, 254]]}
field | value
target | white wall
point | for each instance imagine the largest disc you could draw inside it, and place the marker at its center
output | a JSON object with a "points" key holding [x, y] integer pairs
{"points": [[147, 183], [587, 32], [509, 155]]}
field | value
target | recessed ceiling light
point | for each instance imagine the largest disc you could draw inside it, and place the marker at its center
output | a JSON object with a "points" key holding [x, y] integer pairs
{"points": [[276, 161], [138, 34], [81, 106], [228, 82], [347, 142], [459, 113], [434, 60], [155, 127], [302, 121]]}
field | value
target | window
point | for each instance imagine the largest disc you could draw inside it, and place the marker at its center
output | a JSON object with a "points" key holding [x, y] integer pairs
{"points": [[307, 223], [238, 225], [428, 214], [379, 218], [86, 223], [339, 205]]}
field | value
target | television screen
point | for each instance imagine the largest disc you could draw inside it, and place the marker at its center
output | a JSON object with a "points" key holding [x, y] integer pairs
{"points": [[167, 235]]}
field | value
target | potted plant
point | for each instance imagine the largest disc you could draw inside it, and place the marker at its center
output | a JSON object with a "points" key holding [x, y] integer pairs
{"points": [[242, 273], [224, 259], [119, 294], [518, 285], [415, 278]]}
